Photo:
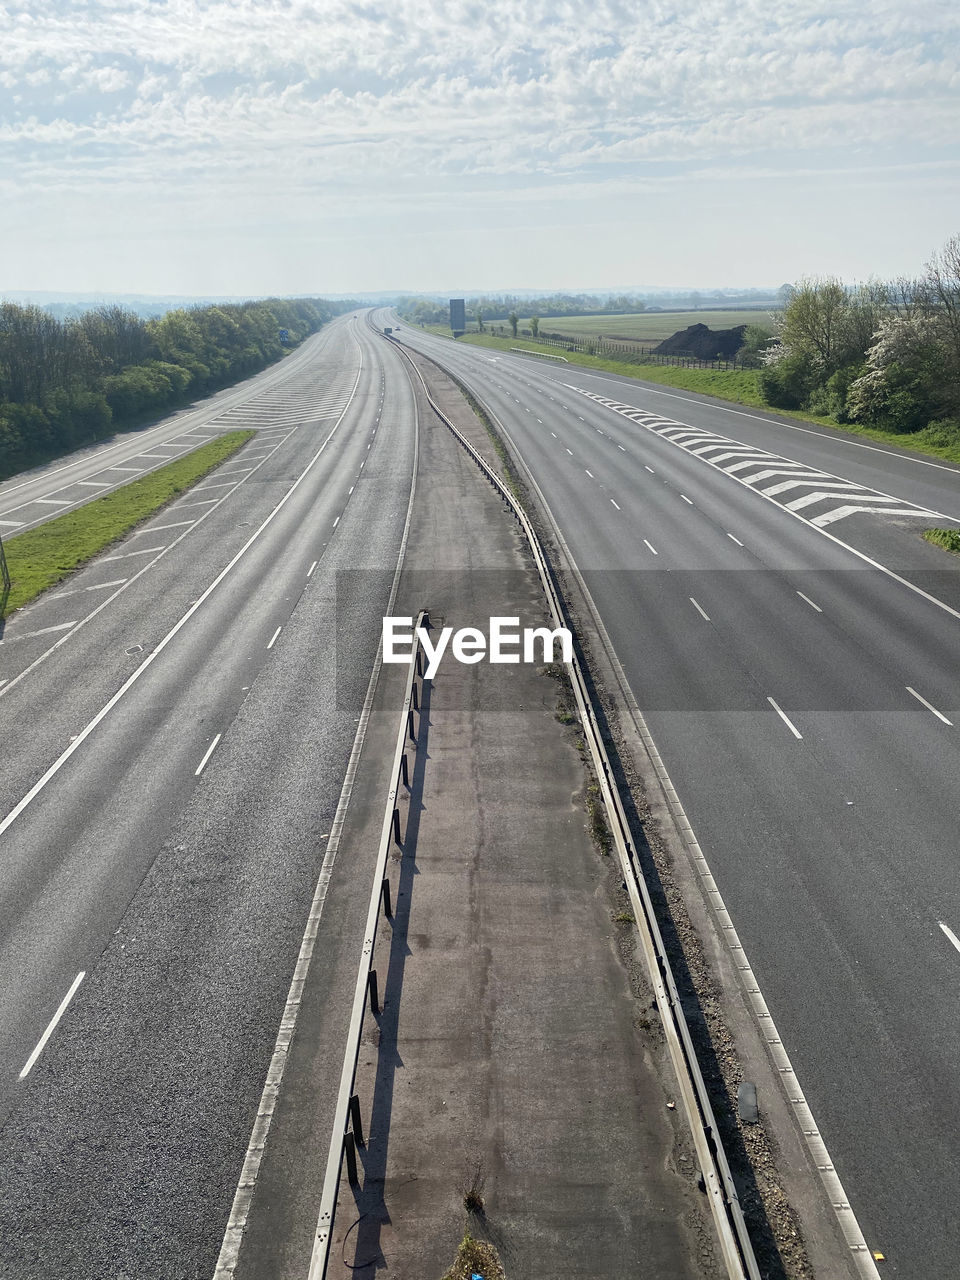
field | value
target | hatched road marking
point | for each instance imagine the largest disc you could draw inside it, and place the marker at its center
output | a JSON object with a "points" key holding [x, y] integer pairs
{"points": [[836, 497]]}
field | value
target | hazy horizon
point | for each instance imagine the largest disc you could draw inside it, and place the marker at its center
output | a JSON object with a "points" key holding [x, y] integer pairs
{"points": [[263, 147]]}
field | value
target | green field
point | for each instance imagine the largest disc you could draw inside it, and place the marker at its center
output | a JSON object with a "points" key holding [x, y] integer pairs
{"points": [[650, 327], [42, 557]]}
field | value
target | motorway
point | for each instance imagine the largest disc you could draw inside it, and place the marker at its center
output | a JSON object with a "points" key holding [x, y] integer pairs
{"points": [[303, 387], [179, 717], [793, 646]]}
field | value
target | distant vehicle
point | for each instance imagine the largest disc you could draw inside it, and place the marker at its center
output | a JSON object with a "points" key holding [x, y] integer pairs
{"points": [[388, 329]]}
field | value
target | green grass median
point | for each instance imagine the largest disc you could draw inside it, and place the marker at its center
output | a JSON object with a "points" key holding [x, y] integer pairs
{"points": [[42, 557], [949, 539]]}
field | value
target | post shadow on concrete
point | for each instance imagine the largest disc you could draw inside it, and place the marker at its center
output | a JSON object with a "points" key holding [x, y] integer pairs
{"points": [[369, 1197], [724, 1107], [4, 586]]}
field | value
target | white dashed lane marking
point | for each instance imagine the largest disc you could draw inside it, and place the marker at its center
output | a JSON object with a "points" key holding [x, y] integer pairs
{"points": [[206, 756], [786, 719], [809, 602], [699, 610], [929, 706], [835, 497]]}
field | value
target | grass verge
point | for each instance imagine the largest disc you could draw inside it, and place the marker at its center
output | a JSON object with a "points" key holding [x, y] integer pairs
{"points": [[42, 557], [736, 386], [949, 539]]}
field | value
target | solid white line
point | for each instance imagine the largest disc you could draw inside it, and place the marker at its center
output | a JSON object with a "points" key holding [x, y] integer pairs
{"points": [[233, 1235], [108, 706], [44, 631], [274, 637], [206, 756], [736, 540], [650, 469], [590, 474], [93, 484], [51, 502], [312, 567], [13, 524], [158, 528], [823, 493], [950, 934], [773, 422], [786, 720], [128, 555], [615, 504], [809, 602], [102, 586], [651, 546], [929, 706], [621, 448], [699, 610], [816, 524], [686, 499], [52, 1025], [135, 469], [570, 451]]}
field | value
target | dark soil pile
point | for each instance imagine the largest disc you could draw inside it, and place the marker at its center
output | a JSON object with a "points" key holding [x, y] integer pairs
{"points": [[703, 343]]}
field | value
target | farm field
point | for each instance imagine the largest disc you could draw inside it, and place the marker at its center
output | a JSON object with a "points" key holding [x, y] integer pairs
{"points": [[648, 327]]}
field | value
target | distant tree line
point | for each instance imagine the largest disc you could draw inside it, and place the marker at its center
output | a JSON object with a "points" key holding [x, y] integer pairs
{"points": [[65, 383], [883, 354], [494, 308]]}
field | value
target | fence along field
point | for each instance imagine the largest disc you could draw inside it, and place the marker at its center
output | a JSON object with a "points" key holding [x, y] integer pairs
{"points": [[646, 327]]}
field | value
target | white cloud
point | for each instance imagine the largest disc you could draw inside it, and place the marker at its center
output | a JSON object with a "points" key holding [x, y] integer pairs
{"points": [[340, 99]]}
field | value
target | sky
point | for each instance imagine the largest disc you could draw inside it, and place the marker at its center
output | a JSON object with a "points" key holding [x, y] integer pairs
{"points": [[274, 146]]}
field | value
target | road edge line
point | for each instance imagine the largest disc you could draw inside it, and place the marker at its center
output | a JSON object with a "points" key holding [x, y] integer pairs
{"points": [[792, 1091], [229, 1255]]}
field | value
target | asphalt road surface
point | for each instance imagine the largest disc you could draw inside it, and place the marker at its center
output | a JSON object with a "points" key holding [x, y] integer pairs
{"points": [[179, 718], [793, 645], [286, 394], [178, 721]]}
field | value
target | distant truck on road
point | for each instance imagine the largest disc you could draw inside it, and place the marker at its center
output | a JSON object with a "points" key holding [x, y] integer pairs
{"points": [[388, 329]]}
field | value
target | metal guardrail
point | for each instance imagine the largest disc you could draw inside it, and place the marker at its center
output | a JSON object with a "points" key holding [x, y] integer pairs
{"points": [[734, 1239], [544, 355], [347, 1132]]}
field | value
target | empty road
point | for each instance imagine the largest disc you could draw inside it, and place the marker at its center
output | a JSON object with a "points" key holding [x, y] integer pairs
{"points": [[793, 646]]}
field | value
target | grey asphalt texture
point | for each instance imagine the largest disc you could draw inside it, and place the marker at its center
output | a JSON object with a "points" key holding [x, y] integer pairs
{"points": [[513, 1034], [836, 851], [184, 898], [25, 499]]}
